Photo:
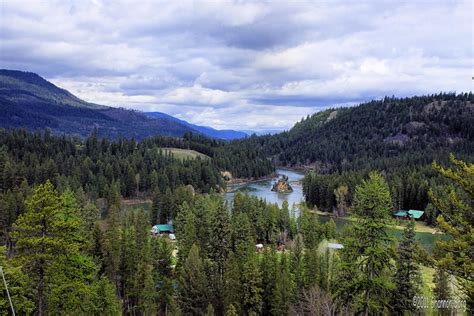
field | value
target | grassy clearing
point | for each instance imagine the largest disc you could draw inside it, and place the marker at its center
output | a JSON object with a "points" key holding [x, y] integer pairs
{"points": [[179, 153], [420, 227]]}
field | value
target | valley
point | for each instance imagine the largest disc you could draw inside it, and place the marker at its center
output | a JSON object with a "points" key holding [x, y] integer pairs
{"points": [[345, 174]]}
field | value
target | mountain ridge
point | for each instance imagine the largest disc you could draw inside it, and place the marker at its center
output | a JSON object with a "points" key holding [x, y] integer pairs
{"points": [[29, 101], [405, 130], [228, 134]]}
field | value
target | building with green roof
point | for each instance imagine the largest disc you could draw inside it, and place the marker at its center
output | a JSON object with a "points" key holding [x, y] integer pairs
{"points": [[162, 228], [415, 214]]}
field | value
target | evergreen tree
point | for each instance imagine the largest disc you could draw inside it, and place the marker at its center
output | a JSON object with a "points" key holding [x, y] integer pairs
{"points": [[407, 277], [243, 239], [17, 281], [163, 251], [366, 258], [231, 311], [220, 244], [311, 267], [283, 295], [297, 262], [251, 285], [155, 207], [193, 296], [48, 247], [330, 229], [341, 194], [220, 239], [269, 266], [185, 232], [111, 247], [442, 290], [455, 255], [113, 196], [107, 302], [232, 284]]}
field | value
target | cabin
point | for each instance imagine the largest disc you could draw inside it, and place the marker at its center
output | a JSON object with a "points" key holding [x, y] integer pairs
{"points": [[162, 229], [415, 214]]}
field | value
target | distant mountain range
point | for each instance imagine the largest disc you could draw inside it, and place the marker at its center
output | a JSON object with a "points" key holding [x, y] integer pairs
{"points": [[29, 101], [208, 131]]}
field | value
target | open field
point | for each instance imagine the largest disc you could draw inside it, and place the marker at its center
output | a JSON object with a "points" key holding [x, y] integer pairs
{"points": [[179, 153]]}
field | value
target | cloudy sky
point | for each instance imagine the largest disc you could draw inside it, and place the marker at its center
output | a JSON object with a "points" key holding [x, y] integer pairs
{"points": [[241, 65]]}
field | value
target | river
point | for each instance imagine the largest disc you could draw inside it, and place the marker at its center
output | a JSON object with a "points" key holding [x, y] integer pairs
{"points": [[262, 189]]}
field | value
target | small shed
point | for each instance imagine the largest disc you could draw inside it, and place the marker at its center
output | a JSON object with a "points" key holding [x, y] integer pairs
{"points": [[332, 245]]}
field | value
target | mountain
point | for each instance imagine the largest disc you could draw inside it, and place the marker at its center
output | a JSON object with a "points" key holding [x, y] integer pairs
{"points": [[208, 131], [377, 135], [29, 101]]}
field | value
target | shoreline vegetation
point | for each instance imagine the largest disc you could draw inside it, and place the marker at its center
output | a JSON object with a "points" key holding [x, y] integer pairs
{"points": [[238, 182], [234, 183], [420, 227]]}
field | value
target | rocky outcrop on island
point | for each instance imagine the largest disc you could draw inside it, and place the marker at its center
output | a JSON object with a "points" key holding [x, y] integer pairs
{"points": [[282, 185]]}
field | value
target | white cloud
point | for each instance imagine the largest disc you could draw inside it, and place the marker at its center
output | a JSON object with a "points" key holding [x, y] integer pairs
{"points": [[240, 64]]}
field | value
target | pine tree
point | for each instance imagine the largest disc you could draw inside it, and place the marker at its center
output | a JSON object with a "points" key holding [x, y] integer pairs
{"points": [[193, 296], [220, 244], [310, 228], [283, 295], [242, 238], [407, 277], [330, 229], [231, 311], [366, 258], [297, 261], [210, 310], [185, 232], [113, 196], [163, 252], [455, 256], [111, 247], [107, 302], [17, 281], [155, 207], [311, 267], [341, 194], [251, 285], [220, 239], [232, 284], [442, 290], [269, 266], [48, 247]]}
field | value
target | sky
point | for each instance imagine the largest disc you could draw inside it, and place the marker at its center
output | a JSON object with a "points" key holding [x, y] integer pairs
{"points": [[239, 64]]}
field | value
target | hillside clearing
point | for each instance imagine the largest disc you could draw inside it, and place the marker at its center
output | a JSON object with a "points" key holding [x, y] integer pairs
{"points": [[180, 153]]}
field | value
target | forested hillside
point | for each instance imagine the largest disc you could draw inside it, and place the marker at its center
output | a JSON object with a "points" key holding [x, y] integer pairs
{"points": [[381, 134], [400, 137], [29, 101]]}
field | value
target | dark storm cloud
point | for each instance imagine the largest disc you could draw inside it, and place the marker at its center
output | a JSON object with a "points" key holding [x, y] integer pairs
{"points": [[240, 64]]}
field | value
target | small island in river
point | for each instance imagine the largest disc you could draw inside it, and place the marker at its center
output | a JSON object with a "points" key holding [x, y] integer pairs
{"points": [[282, 185]]}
